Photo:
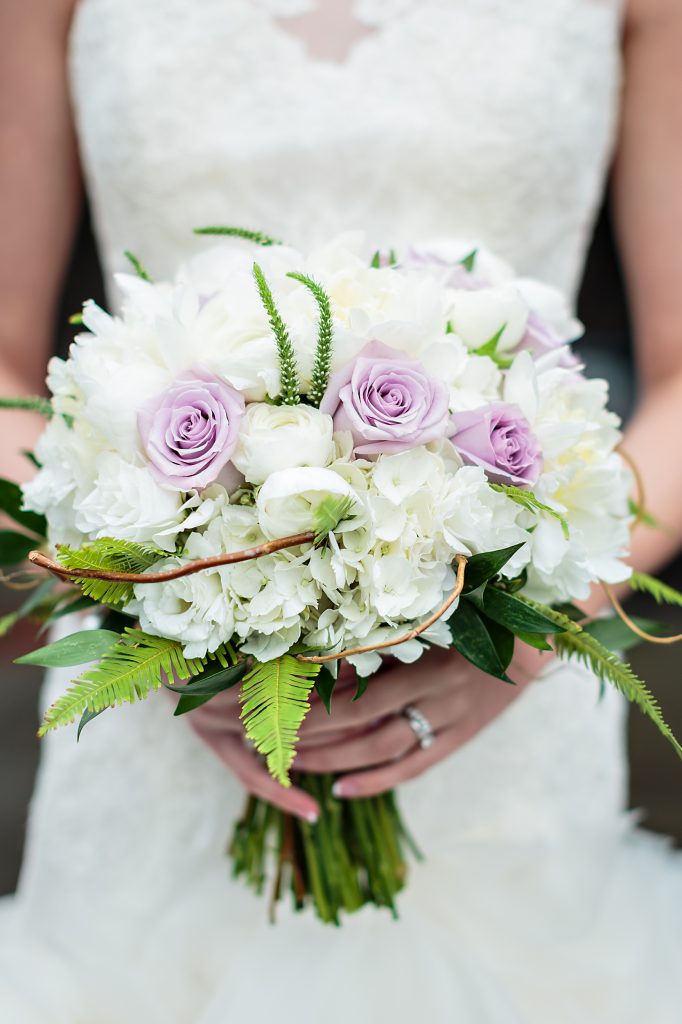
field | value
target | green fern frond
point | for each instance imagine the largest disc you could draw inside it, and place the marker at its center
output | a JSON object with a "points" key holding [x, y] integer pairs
{"points": [[528, 501], [289, 384], [136, 665], [662, 593], [275, 700], [557, 617], [110, 555], [325, 339], [329, 513], [138, 266], [609, 668], [32, 403], [232, 232]]}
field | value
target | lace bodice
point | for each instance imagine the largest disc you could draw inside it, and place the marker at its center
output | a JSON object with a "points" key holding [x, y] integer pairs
{"points": [[487, 119]]}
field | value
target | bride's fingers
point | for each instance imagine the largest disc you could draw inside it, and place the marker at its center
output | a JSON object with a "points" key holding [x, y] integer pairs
{"points": [[254, 777], [393, 738], [387, 694]]}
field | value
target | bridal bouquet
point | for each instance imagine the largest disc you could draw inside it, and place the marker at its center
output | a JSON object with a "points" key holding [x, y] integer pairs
{"points": [[260, 470]]}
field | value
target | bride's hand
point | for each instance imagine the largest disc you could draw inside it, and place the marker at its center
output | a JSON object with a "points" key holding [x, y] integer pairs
{"points": [[373, 739]]}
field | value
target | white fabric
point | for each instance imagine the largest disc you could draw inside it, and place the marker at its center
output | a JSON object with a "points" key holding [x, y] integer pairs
{"points": [[539, 900]]}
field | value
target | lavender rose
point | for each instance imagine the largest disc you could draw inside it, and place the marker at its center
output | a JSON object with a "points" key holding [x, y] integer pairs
{"points": [[190, 431], [541, 337], [498, 437], [387, 401]]}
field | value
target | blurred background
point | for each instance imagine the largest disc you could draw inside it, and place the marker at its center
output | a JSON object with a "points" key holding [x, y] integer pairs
{"points": [[655, 769]]}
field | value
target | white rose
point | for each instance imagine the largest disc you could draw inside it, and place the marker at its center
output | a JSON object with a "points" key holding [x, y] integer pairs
{"points": [[277, 437], [288, 499], [550, 304], [127, 503], [477, 316]]}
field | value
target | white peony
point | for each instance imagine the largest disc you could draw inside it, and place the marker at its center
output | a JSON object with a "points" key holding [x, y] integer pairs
{"points": [[277, 437], [127, 503]]}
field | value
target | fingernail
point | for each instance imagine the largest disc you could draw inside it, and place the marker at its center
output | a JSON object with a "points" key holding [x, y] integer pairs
{"points": [[342, 787]]}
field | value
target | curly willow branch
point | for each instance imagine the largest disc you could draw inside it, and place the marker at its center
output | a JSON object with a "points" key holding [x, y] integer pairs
{"points": [[320, 659], [40, 559], [622, 614]]}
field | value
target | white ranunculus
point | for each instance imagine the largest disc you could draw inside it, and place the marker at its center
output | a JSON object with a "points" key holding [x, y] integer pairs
{"points": [[127, 503], [472, 380], [477, 316], [288, 499], [277, 437]]}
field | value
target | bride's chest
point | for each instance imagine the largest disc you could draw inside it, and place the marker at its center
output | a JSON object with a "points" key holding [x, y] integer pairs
{"points": [[249, 75]]}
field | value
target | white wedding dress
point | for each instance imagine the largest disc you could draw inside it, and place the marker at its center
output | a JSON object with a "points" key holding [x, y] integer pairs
{"points": [[539, 900]]}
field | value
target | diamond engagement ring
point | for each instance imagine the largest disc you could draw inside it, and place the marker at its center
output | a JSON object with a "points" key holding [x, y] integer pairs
{"points": [[420, 726]]}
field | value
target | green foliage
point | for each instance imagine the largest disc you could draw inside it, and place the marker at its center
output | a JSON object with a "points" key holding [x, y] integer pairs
{"points": [[78, 649], [213, 680], [325, 339], [76, 319], [558, 617], [331, 511], [472, 638], [324, 686], [510, 611], [609, 668], [375, 262], [14, 547], [232, 232], [31, 403], [481, 568], [642, 516], [362, 684], [469, 261], [489, 348], [662, 593], [617, 635], [275, 700], [110, 555], [11, 503], [37, 599], [528, 501], [129, 671], [137, 266], [289, 383], [86, 718]]}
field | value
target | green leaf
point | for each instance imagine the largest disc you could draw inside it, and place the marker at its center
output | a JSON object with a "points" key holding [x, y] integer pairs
{"points": [[32, 603], [214, 680], [129, 671], [528, 501], [661, 592], [137, 266], [502, 638], [325, 339], [324, 685], [331, 511], [232, 232], [86, 717], [469, 261], [275, 698], [14, 547], [535, 640], [375, 262], [75, 319], [73, 604], [363, 683], [77, 649], [609, 668], [32, 403], [514, 613], [617, 635], [642, 516], [553, 614], [472, 639], [11, 502], [107, 554], [481, 568], [489, 348], [288, 372]]}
